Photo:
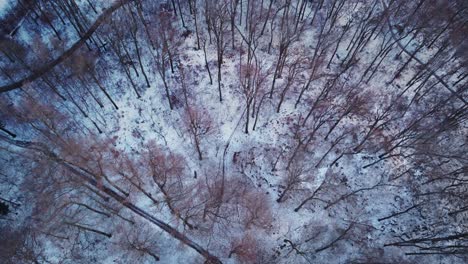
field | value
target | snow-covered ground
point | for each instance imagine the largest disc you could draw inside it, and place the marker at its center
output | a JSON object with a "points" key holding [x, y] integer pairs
{"points": [[334, 213], [6, 6]]}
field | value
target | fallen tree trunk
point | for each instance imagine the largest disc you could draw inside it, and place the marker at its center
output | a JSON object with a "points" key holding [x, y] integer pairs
{"points": [[91, 179], [37, 73]]}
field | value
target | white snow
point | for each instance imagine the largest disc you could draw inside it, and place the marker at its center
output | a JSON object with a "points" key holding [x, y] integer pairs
{"points": [[5, 6]]}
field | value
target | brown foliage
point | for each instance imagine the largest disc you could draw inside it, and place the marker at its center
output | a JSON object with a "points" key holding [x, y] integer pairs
{"points": [[245, 248]]}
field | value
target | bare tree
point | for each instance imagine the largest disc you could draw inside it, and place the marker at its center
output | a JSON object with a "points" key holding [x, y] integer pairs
{"points": [[199, 125], [218, 23]]}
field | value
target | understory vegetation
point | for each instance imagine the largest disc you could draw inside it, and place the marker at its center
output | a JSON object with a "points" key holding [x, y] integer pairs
{"points": [[234, 131]]}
